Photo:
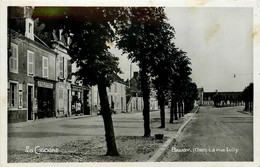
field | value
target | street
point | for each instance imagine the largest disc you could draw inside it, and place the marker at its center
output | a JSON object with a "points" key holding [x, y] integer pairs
{"points": [[215, 134]]}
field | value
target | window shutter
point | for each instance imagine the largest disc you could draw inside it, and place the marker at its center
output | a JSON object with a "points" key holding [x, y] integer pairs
{"points": [[30, 62], [69, 69], [45, 67]]}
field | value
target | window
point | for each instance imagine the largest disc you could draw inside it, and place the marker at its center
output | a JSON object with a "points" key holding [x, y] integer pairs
{"points": [[13, 60], [61, 67], [45, 67], [29, 33], [13, 95], [30, 63]]}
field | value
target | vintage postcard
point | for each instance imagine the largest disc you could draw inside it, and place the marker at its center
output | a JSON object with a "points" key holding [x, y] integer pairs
{"points": [[130, 83]]}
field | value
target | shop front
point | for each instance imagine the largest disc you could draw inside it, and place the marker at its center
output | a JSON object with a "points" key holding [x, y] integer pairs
{"points": [[79, 100], [45, 94]]}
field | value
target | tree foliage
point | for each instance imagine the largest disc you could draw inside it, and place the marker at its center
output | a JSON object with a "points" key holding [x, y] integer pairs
{"points": [[248, 96], [140, 38], [90, 31]]}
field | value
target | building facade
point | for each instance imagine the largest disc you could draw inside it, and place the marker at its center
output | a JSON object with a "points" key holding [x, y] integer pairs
{"points": [[40, 81], [116, 97], [31, 70], [135, 99]]}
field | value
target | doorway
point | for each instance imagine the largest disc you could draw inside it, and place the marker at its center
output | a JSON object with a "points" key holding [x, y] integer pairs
{"points": [[30, 98], [45, 102]]}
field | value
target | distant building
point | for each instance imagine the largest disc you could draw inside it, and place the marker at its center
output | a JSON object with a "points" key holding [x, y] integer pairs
{"points": [[116, 96], [206, 98], [135, 98]]}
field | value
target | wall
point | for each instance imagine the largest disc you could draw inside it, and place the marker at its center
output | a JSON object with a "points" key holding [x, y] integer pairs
{"points": [[24, 44], [116, 92]]}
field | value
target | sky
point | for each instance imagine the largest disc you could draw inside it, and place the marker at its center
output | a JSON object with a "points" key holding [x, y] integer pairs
{"points": [[217, 40]]}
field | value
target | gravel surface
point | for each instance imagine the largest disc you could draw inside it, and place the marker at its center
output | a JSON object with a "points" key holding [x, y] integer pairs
{"points": [[131, 149]]}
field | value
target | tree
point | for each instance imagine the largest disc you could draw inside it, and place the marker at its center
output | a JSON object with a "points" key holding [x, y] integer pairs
{"points": [[138, 37], [180, 77], [190, 95], [248, 96], [89, 30], [161, 66], [217, 100]]}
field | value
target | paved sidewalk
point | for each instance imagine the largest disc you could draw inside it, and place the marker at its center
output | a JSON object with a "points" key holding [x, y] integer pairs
{"points": [[55, 132]]}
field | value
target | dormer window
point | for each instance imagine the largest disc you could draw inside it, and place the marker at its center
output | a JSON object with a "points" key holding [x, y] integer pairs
{"points": [[29, 28]]}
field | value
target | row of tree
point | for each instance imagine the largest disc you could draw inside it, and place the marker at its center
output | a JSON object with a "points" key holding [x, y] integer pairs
{"points": [[248, 97], [225, 100], [144, 35]]}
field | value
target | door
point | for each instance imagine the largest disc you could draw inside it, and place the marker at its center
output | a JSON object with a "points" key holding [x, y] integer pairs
{"points": [[45, 102], [30, 94]]}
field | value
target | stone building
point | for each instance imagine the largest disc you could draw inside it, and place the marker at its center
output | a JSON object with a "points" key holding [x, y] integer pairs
{"points": [[63, 75], [116, 97], [135, 99], [31, 69]]}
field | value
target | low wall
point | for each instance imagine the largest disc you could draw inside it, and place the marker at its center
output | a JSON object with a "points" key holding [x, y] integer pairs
{"points": [[17, 116]]}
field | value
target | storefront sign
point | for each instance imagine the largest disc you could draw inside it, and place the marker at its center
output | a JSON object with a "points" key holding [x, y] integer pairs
{"points": [[77, 89], [45, 84]]}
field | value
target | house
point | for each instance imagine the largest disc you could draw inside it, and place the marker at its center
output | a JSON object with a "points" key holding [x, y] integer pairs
{"points": [[63, 75], [80, 92], [227, 98], [135, 98], [116, 96], [31, 69]]}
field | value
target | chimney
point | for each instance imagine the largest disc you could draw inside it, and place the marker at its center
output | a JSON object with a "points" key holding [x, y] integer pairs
{"points": [[29, 23]]}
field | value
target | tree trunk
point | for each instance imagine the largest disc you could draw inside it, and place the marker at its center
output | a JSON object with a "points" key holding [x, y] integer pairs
{"points": [[246, 106], [146, 96], [179, 107], [162, 112], [108, 122], [182, 109], [172, 110], [175, 111]]}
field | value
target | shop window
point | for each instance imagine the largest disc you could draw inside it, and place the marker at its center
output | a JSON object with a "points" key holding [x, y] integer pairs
{"points": [[13, 60], [45, 66], [30, 63]]}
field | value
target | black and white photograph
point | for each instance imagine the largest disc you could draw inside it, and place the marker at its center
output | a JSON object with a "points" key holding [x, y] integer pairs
{"points": [[128, 83]]}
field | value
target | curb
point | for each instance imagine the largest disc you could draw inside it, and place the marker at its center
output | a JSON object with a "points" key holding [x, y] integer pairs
{"points": [[162, 150], [244, 112]]}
